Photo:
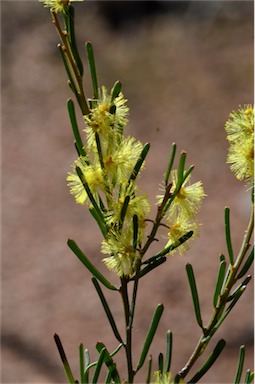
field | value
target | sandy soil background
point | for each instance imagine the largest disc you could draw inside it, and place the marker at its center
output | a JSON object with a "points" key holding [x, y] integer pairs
{"points": [[183, 73]]}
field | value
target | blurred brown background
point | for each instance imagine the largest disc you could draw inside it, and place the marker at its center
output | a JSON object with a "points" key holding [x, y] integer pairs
{"points": [[184, 67]]}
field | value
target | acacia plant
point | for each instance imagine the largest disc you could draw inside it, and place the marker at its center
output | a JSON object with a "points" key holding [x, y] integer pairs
{"points": [[105, 178]]}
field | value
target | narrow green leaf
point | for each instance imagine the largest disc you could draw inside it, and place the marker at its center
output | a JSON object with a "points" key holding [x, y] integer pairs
{"points": [[99, 150], [228, 236], [87, 362], [180, 169], [150, 335], [239, 288], [227, 275], [109, 378], [76, 133], [91, 365], [230, 307], [139, 163], [86, 376], [170, 163], [100, 222], [187, 173], [194, 293], [159, 258], [113, 111], [168, 249], [247, 264], [248, 377], [151, 266], [135, 232], [116, 350], [161, 362], [70, 77], [63, 357], [72, 82], [116, 90], [148, 377], [209, 362], [177, 379], [92, 67], [70, 21], [221, 274], [82, 367], [168, 358], [171, 247], [107, 310], [178, 186], [123, 211], [109, 363], [81, 256], [134, 294], [99, 365], [101, 204], [239, 369]]}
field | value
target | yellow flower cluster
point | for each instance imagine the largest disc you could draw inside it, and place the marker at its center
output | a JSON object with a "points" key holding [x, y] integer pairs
{"points": [[240, 134], [123, 259], [165, 378], [57, 6], [106, 170], [107, 118], [181, 213]]}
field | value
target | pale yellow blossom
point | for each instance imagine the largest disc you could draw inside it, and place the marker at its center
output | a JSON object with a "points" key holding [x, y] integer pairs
{"points": [[187, 201], [122, 257], [139, 205], [240, 134], [180, 227], [121, 161], [166, 378], [57, 6], [93, 176], [108, 125]]}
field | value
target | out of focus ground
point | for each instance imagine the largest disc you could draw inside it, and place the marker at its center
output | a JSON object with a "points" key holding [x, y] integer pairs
{"points": [[183, 73]]}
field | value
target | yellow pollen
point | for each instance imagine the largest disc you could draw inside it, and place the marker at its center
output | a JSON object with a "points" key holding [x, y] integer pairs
{"points": [[108, 161], [181, 193], [249, 111], [103, 108]]}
